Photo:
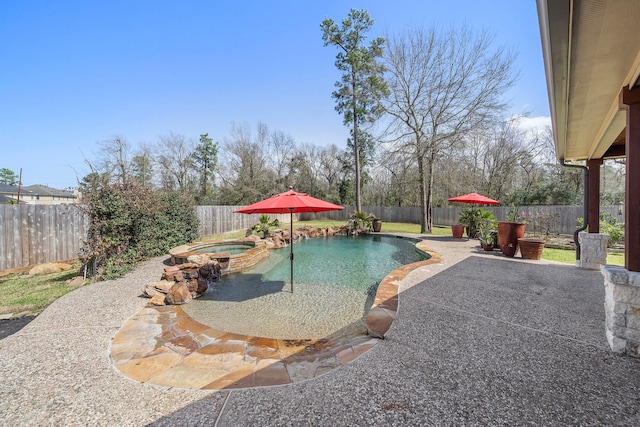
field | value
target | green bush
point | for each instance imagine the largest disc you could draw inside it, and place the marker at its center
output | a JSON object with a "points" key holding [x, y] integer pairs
{"points": [[360, 221], [611, 226], [264, 224], [475, 219], [129, 223]]}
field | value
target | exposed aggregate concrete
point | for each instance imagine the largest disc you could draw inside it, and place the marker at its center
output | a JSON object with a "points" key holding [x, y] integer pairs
{"points": [[479, 340]]}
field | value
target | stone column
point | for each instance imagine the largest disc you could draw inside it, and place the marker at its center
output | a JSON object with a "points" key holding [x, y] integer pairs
{"points": [[593, 250], [622, 309]]}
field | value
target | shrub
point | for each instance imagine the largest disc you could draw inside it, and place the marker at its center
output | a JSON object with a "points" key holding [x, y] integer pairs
{"points": [[264, 224], [611, 226], [475, 219], [129, 223], [360, 221]]}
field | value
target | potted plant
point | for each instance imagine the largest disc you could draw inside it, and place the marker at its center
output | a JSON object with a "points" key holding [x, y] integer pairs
{"points": [[531, 247], [360, 221], [509, 232], [472, 218], [469, 218], [457, 230], [486, 232]]}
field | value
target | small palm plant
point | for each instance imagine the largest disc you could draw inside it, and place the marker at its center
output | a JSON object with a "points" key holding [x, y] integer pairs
{"points": [[264, 224], [474, 219], [360, 221]]}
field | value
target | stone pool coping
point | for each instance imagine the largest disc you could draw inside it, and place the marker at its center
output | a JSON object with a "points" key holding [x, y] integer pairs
{"points": [[166, 347], [256, 252]]}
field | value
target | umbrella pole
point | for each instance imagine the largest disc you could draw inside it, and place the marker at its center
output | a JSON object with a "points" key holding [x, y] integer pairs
{"points": [[291, 244]]}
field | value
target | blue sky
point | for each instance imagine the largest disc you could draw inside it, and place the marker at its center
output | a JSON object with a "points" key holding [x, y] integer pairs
{"points": [[74, 73]]}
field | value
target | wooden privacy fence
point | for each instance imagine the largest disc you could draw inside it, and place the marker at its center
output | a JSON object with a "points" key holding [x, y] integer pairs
{"points": [[558, 219], [221, 219], [34, 234]]}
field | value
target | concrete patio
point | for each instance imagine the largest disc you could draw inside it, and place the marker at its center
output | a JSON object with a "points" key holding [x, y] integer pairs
{"points": [[478, 339]]}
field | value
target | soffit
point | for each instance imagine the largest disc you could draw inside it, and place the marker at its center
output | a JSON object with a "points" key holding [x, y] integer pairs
{"points": [[591, 50]]}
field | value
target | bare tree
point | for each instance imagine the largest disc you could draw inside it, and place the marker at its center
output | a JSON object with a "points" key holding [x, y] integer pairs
{"points": [[306, 169], [330, 166], [443, 84], [176, 161], [280, 148], [396, 177], [244, 173], [114, 159]]}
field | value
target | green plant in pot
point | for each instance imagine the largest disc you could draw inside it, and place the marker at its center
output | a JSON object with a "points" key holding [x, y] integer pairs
{"points": [[487, 233], [360, 221], [264, 225], [473, 219]]}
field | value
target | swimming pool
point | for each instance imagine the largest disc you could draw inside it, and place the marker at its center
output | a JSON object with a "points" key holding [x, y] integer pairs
{"points": [[230, 248], [335, 280]]}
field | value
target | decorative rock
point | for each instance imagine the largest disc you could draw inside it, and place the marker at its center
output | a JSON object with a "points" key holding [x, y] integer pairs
{"points": [[149, 291], [50, 267], [193, 273], [157, 300], [172, 268], [76, 282], [163, 285], [183, 282], [202, 286], [178, 294], [205, 271], [278, 241], [192, 284], [198, 259]]}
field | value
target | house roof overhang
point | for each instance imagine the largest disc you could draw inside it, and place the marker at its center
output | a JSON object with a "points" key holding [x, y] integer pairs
{"points": [[591, 50]]}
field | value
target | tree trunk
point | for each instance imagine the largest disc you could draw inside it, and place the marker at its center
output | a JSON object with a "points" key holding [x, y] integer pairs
{"points": [[429, 196], [424, 218], [356, 148]]}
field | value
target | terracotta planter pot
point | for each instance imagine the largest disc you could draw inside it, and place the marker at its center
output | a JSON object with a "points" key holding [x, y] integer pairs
{"points": [[458, 230], [508, 234], [509, 250], [486, 247], [531, 247], [377, 225]]}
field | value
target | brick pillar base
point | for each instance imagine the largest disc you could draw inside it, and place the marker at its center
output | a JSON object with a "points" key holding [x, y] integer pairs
{"points": [[622, 309], [593, 250]]}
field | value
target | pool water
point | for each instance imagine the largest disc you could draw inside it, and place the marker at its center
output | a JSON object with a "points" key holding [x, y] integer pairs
{"points": [[233, 249], [335, 280]]}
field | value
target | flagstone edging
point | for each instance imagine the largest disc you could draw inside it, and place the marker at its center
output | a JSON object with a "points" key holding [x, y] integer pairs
{"points": [[164, 346]]}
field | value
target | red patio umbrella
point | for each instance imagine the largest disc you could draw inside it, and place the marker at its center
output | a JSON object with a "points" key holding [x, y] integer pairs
{"points": [[292, 202], [474, 199]]}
